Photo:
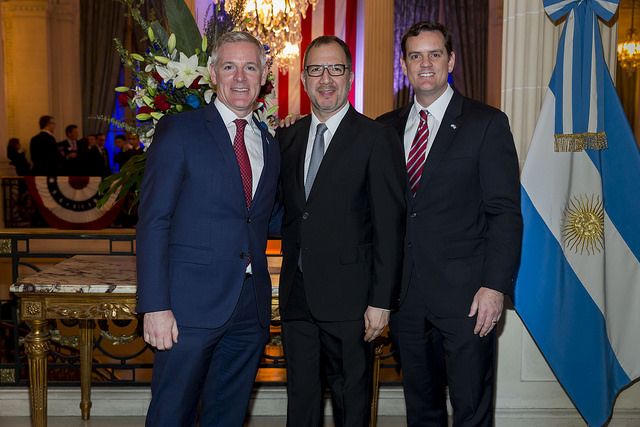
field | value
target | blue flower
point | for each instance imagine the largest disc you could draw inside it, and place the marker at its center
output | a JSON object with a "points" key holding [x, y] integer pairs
{"points": [[193, 101]]}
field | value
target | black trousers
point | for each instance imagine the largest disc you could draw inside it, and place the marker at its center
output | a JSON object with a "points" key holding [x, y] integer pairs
{"points": [[435, 352], [336, 348]]}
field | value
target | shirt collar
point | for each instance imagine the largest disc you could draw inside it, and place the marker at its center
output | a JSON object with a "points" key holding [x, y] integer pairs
{"points": [[333, 122], [229, 116], [437, 107]]}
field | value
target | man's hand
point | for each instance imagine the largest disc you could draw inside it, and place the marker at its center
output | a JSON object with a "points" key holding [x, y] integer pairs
{"points": [[160, 329], [289, 119], [375, 319], [487, 304]]}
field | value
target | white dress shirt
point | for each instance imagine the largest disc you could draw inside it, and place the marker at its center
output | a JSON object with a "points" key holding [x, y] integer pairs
{"points": [[253, 142], [436, 114], [252, 139], [332, 127]]}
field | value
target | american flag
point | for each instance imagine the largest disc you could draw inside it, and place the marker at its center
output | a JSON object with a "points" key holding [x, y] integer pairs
{"points": [[330, 17]]}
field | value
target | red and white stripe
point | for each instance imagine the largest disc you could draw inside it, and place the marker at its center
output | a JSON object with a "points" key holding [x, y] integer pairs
{"points": [[330, 17]]}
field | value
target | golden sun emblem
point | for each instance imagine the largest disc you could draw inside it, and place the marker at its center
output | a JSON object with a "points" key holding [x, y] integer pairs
{"points": [[583, 228]]}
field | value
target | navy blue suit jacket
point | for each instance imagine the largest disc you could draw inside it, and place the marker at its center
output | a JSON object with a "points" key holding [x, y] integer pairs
{"points": [[195, 234]]}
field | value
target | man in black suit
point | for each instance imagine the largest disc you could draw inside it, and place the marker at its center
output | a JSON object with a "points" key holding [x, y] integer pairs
{"points": [[342, 185], [463, 237], [45, 156]]}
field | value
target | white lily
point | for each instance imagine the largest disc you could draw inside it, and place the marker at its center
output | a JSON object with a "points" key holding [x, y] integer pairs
{"points": [[186, 69], [138, 97], [167, 72], [205, 75]]}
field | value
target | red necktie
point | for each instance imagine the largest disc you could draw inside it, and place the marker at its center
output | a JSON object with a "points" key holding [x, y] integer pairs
{"points": [[242, 156], [417, 153]]}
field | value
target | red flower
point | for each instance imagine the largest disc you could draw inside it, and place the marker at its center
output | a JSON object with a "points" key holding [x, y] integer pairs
{"points": [[145, 110], [266, 89], [160, 101], [196, 83], [157, 76], [123, 99]]}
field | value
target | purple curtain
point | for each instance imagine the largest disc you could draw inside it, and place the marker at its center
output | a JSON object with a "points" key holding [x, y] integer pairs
{"points": [[407, 13], [467, 20]]}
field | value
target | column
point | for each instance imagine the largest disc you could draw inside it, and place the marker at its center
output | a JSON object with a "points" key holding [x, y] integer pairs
{"points": [[27, 65], [66, 97], [378, 57], [5, 169]]}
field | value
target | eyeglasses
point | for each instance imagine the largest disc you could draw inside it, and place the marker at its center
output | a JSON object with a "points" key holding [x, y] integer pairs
{"points": [[334, 70]]}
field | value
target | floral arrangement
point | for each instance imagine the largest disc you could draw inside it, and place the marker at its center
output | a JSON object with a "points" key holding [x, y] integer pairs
{"points": [[171, 76]]}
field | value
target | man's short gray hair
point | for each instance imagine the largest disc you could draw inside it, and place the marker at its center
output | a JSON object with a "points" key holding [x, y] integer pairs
{"points": [[235, 37]]}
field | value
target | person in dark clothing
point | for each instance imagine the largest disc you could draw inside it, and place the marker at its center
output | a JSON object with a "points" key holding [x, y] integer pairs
{"points": [[45, 155], [17, 157]]}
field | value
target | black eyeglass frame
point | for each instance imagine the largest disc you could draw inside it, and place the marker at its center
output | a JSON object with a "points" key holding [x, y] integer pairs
{"points": [[329, 68]]}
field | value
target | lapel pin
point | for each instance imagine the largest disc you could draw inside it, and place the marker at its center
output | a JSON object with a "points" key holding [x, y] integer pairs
{"points": [[453, 126]]}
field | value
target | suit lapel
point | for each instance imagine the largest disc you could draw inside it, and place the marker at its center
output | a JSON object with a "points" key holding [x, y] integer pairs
{"points": [[300, 140], [401, 123], [443, 140], [265, 156], [345, 135], [220, 138]]}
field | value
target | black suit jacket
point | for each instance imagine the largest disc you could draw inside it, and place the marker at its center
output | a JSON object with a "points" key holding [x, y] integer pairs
{"points": [[350, 230], [464, 224], [45, 156]]}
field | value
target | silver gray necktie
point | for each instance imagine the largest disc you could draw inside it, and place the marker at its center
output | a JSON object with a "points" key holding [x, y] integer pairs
{"points": [[316, 158]]}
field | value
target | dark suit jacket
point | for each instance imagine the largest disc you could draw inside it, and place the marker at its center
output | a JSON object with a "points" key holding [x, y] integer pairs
{"points": [[45, 156], [350, 230], [464, 225], [195, 235]]}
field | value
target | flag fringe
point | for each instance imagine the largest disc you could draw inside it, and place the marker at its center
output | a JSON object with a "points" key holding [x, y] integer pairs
{"points": [[574, 142]]}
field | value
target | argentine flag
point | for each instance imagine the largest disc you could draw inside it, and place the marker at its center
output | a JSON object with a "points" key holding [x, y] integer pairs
{"points": [[578, 287]]}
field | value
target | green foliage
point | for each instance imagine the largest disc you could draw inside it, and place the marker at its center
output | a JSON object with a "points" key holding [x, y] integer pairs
{"points": [[183, 25], [127, 180]]}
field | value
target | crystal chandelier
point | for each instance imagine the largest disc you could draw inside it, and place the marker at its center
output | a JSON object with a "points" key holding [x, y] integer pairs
{"points": [[275, 23], [629, 50]]}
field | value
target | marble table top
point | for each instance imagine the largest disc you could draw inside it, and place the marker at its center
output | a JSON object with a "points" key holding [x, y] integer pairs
{"points": [[83, 274]]}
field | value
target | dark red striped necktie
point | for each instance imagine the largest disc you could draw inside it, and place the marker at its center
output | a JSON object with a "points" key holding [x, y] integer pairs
{"points": [[242, 156], [417, 153]]}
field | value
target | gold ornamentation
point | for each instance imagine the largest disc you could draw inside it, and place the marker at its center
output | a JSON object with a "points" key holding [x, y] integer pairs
{"points": [[32, 309], [96, 311], [5, 246], [118, 339], [575, 142], [7, 376], [583, 228], [37, 347], [71, 341]]}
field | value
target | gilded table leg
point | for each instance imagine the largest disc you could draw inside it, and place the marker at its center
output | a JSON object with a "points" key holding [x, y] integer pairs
{"points": [[37, 346], [375, 372], [86, 356]]}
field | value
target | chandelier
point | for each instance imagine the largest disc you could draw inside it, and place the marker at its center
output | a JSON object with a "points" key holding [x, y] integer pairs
{"points": [[276, 23], [629, 50]]}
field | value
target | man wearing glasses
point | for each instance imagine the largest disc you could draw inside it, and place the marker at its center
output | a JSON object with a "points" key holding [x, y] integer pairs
{"points": [[343, 194]]}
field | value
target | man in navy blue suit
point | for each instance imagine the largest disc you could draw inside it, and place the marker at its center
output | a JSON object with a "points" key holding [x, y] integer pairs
{"points": [[203, 286]]}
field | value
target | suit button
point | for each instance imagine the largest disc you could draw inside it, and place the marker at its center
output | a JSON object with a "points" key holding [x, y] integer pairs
{"points": [[242, 255], [409, 244], [305, 215], [249, 220], [413, 215]]}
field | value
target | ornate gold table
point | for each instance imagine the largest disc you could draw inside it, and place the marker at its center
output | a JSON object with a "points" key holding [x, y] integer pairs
{"points": [[84, 287]]}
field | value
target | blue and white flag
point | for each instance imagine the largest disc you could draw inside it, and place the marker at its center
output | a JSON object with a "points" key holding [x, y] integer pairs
{"points": [[578, 287]]}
